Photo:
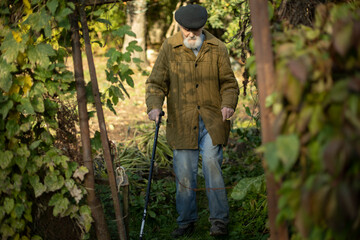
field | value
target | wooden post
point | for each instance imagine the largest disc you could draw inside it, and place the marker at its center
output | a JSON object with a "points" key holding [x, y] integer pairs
{"points": [[103, 132], [266, 82], [101, 229]]}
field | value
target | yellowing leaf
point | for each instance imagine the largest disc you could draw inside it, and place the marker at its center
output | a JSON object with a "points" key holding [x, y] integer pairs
{"points": [[80, 172], [28, 9], [17, 36]]}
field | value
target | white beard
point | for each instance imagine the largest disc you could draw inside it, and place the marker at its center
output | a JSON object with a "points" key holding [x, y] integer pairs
{"points": [[195, 42]]}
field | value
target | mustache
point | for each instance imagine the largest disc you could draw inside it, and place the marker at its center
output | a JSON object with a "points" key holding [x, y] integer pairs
{"points": [[192, 38]]}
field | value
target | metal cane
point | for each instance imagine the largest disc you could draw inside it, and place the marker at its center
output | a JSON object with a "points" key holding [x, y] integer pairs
{"points": [[150, 173]]}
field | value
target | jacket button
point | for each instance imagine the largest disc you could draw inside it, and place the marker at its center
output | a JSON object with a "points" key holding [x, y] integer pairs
{"points": [[198, 107], [195, 64], [197, 85], [195, 127]]}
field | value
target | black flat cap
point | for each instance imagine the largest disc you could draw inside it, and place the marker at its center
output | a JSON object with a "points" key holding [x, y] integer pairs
{"points": [[191, 16]]}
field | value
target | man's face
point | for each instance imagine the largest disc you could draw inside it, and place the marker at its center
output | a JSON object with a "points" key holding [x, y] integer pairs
{"points": [[192, 37]]}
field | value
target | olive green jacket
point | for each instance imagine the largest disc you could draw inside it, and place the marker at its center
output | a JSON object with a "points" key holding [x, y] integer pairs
{"points": [[193, 85]]}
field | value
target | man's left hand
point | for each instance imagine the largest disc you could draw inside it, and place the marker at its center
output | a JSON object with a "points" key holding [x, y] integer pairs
{"points": [[227, 113]]}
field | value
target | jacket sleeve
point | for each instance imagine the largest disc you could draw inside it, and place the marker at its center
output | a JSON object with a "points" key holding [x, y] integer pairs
{"points": [[157, 83], [229, 89]]}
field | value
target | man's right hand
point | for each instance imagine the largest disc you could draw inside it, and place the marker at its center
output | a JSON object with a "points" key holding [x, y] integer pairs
{"points": [[154, 115]]}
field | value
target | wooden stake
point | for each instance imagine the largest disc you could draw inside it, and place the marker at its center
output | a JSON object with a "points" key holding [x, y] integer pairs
{"points": [[266, 82], [101, 229], [103, 132]]}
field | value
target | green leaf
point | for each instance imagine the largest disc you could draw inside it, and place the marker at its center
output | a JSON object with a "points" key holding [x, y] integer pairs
{"points": [[288, 147], [247, 111], [246, 185], [46, 137], [85, 219], [137, 60], [39, 188], [133, 47], [25, 106], [19, 210], [10, 48], [101, 20], [21, 162], [271, 156], [70, 169], [12, 128], [38, 104], [5, 75], [9, 204], [52, 5], [96, 141], [151, 214], [38, 20], [54, 181], [110, 106], [5, 108], [126, 29], [39, 54], [6, 158], [60, 204], [63, 14], [23, 151]]}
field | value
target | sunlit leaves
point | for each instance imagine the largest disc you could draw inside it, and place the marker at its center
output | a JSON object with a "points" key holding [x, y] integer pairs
{"points": [[12, 45]]}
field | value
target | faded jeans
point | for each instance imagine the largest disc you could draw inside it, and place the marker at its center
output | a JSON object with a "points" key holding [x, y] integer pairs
{"points": [[186, 168]]}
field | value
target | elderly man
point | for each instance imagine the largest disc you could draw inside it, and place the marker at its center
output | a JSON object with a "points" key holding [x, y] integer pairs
{"points": [[193, 71]]}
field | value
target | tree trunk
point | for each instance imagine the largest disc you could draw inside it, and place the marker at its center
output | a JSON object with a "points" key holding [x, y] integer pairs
{"points": [[97, 212], [266, 82], [136, 19], [102, 126]]}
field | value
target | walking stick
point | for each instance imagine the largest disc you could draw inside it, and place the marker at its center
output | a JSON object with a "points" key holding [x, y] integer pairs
{"points": [[150, 174]]}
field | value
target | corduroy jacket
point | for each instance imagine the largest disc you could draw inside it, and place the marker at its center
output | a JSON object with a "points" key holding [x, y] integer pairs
{"points": [[193, 85]]}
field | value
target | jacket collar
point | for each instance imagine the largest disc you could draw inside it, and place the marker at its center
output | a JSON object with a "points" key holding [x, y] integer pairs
{"points": [[177, 39]]}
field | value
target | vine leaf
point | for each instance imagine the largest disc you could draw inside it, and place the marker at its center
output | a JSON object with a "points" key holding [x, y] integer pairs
{"points": [[80, 172], [39, 188], [5, 74], [288, 150], [60, 203], [6, 158], [247, 185], [52, 5], [9, 205], [10, 47], [53, 181], [5, 108], [38, 20], [40, 53]]}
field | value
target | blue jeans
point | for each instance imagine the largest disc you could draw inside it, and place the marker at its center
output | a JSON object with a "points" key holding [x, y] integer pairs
{"points": [[186, 168]]}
